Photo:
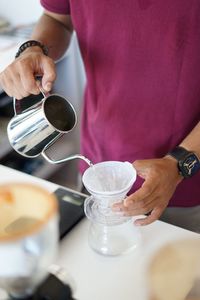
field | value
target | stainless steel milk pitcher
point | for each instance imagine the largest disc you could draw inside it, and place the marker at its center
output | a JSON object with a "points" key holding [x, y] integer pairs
{"points": [[33, 130]]}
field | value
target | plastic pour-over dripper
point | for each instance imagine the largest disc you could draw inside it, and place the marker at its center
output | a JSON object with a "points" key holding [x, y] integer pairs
{"points": [[108, 182]]}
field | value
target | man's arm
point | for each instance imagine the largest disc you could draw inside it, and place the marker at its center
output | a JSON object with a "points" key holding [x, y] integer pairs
{"points": [[54, 30], [18, 79], [161, 177]]}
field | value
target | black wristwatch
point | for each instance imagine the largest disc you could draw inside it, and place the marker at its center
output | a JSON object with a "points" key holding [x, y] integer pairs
{"points": [[188, 162]]}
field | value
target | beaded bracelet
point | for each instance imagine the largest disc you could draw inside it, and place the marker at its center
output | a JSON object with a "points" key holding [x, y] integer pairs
{"points": [[32, 43]]}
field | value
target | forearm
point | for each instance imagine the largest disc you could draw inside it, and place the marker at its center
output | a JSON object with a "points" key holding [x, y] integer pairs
{"points": [[192, 141], [55, 32]]}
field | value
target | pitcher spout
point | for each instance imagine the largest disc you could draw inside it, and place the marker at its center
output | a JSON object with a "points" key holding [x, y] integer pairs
{"points": [[71, 157]]}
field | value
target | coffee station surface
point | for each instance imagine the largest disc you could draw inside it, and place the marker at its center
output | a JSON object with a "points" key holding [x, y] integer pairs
{"points": [[51, 289], [95, 276]]}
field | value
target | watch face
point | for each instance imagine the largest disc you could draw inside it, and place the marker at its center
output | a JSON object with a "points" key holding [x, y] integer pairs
{"points": [[190, 165]]}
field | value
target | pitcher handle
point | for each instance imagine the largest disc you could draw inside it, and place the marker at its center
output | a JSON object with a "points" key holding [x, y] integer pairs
{"points": [[59, 161], [17, 104]]}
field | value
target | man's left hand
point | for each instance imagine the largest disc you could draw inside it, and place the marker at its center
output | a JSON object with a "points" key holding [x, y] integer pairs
{"points": [[161, 178]]}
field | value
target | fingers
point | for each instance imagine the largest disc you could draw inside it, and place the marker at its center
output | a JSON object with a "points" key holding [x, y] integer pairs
{"points": [[153, 216], [151, 204], [14, 80], [49, 74], [139, 208], [28, 84], [145, 191], [140, 202], [142, 167], [18, 79], [155, 193], [11, 84], [152, 207]]}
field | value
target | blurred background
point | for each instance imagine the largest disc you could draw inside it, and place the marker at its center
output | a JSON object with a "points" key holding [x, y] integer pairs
{"points": [[17, 19]]}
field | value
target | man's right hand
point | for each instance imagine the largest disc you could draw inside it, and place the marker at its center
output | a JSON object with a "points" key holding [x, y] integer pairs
{"points": [[18, 79]]}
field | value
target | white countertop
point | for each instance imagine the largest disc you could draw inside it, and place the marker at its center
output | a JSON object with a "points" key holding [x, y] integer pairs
{"points": [[96, 277]]}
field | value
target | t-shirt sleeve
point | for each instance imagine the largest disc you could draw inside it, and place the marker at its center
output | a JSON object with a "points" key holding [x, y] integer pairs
{"points": [[57, 6]]}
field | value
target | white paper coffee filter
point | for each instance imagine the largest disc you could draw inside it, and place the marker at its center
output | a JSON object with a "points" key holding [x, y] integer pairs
{"points": [[109, 177]]}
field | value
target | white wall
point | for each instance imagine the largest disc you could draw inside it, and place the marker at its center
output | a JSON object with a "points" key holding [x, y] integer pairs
{"points": [[20, 11]]}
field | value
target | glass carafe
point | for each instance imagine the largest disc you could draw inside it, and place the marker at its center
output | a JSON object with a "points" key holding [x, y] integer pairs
{"points": [[110, 233], [28, 237]]}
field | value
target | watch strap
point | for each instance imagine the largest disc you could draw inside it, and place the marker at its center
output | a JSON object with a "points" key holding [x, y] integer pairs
{"points": [[179, 153], [188, 162]]}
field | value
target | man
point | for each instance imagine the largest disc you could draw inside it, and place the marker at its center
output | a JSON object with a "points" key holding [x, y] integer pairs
{"points": [[142, 97]]}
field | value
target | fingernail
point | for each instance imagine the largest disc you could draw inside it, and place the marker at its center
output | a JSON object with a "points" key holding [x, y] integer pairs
{"points": [[47, 86], [116, 208], [137, 223]]}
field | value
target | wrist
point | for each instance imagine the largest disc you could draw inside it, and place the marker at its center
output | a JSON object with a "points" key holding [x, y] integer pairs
{"points": [[188, 163], [32, 49], [30, 46], [172, 162]]}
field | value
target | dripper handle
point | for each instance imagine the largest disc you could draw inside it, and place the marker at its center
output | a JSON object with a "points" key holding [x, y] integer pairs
{"points": [[71, 157]]}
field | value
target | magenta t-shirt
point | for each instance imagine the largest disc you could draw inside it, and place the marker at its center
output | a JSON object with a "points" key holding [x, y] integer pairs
{"points": [[142, 61]]}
